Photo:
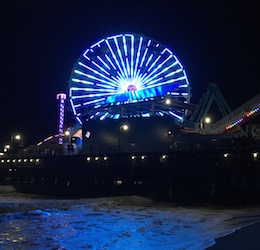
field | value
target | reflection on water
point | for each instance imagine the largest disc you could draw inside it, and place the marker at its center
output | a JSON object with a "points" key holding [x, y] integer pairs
{"points": [[113, 223]]}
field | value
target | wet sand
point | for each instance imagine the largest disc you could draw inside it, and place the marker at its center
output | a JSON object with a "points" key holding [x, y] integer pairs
{"points": [[245, 238]]}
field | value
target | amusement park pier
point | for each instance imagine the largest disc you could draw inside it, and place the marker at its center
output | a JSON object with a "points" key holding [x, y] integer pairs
{"points": [[137, 132]]}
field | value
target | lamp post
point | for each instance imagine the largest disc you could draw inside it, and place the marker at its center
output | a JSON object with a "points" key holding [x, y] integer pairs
{"points": [[123, 127], [70, 145], [16, 143]]}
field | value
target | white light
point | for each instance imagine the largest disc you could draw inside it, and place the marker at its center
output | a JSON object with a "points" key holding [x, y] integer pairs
{"points": [[168, 101], [88, 158], [125, 127], [17, 137], [255, 155], [207, 120], [133, 157], [142, 157], [226, 155], [119, 182], [67, 132], [7, 146]]}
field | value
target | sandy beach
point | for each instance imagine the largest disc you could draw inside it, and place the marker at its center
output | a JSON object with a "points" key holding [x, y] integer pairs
{"points": [[244, 238]]}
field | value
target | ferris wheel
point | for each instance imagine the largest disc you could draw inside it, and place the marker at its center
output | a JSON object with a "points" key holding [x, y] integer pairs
{"points": [[121, 75]]}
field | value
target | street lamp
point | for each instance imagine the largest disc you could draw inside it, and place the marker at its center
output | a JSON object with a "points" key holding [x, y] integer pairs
{"points": [[123, 127], [168, 101], [70, 145], [67, 132], [17, 142], [207, 120], [6, 148], [17, 137]]}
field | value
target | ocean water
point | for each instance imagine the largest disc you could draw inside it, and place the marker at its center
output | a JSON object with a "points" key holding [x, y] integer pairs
{"points": [[128, 222]]}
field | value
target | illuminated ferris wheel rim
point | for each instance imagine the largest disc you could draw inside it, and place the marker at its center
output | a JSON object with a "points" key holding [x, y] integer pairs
{"points": [[123, 69]]}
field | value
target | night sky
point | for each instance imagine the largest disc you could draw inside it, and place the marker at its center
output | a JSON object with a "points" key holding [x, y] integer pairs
{"points": [[40, 41]]}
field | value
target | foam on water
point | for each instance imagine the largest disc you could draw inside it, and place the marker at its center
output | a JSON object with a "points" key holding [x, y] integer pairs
{"points": [[129, 222]]}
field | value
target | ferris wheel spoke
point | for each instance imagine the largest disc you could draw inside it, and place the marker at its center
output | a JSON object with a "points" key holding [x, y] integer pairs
{"points": [[95, 78], [156, 60], [82, 81], [110, 61], [149, 59], [143, 58], [114, 57], [90, 96], [120, 56], [105, 64], [95, 72], [174, 72], [125, 46], [93, 101], [132, 54], [138, 55], [100, 68], [159, 67]]}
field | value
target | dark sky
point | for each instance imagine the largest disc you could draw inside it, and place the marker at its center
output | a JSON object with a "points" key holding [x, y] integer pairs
{"points": [[41, 40]]}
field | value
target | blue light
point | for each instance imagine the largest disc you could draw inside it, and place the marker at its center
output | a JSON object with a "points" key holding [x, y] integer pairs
{"points": [[176, 116], [138, 55], [98, 43], [132, 55], [82, 81], [110, 61], [157, 59], [149, 59], [143, 58], [125, 49], [100, 59], [85, 54], [104, 116], [145, 115], [80, 122], [73, 108], [114, 56], [100, 68], [94, 101], [125, 69]]}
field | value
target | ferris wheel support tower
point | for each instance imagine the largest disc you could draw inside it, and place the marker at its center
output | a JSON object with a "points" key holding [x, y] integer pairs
{"points": [[61, 97]]}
